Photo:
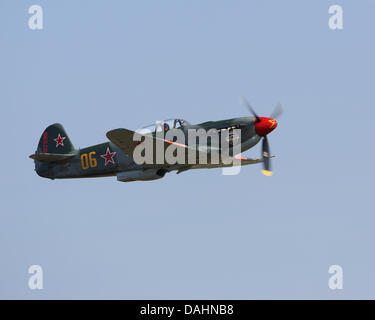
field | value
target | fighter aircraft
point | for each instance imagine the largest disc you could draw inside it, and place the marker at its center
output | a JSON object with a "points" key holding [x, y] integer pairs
{"points": [[56, 157]]}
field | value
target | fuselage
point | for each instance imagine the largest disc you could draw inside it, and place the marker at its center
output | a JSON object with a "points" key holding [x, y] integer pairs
{"points": [[106, 159]]}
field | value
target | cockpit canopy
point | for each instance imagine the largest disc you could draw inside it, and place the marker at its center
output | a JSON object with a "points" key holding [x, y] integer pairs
{"points": [[164, 125]]}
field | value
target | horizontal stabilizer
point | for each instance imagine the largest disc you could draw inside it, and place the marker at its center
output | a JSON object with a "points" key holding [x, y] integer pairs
{"points": [[51, 157]]}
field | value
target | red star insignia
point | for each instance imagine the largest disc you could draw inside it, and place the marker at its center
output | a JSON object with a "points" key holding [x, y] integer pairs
{"points": [[59, 140], [108, 156]]}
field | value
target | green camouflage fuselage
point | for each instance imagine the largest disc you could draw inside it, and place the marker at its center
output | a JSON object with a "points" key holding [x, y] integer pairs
{"points": [[107, 159]]}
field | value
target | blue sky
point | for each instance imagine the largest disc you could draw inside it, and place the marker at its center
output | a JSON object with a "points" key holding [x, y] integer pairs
{"points": [[99, 65]]}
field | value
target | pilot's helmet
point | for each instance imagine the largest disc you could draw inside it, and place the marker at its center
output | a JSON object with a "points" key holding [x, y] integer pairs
{"points": [[166, 126]]}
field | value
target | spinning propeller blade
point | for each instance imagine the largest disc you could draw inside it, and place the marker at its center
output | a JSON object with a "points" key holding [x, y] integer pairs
{"points": [[266, 157], [277, 112], [263, 126], [250, 108]]}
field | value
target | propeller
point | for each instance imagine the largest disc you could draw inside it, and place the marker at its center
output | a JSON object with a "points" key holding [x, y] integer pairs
{"points": [[266, 157], [263, 127], [247, 104], [277, 111]]}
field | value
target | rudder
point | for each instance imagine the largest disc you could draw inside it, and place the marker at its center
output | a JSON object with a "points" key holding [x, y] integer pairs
{"points": [[54, 146], [54, 140]]}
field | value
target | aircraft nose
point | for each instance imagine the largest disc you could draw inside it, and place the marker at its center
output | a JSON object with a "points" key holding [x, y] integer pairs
{"points": [[265, 126]]}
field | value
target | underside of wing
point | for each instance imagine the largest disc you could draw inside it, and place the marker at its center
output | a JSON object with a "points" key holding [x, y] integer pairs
{"points": [[237, 161]]}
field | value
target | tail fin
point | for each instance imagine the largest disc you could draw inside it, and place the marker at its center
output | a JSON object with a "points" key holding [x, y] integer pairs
{"points": [[54, 145]]}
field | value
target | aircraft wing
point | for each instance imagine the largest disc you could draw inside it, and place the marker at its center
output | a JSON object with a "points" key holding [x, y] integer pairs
{"points": [[123, 138], [240, 161]]}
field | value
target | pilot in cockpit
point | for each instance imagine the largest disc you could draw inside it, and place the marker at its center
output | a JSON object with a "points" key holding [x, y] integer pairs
{"points": [[166, 127]]}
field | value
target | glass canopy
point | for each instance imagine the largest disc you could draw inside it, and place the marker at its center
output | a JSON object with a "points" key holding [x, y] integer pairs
{"points": [[164, 125]]}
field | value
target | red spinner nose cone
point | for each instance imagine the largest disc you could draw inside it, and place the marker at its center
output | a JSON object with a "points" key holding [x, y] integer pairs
{"points": [[265, 126]]}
